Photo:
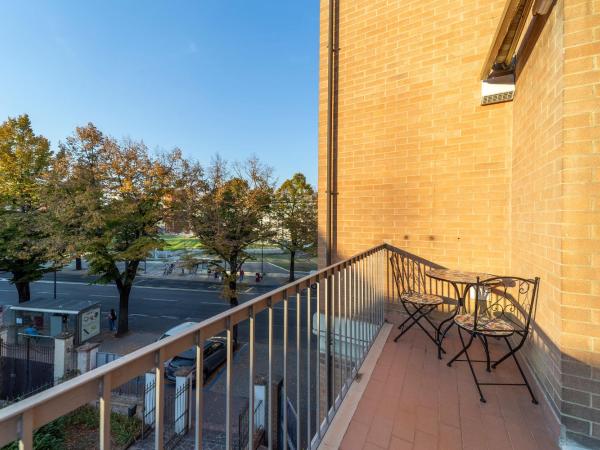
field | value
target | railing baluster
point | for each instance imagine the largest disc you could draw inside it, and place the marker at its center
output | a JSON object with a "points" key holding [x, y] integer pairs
{"points": [[159, 393], [333, 339], [25, 431], [308, 374], [339, 331], [229, 369], [328, 370], [346, 354], [318, 366], [270, 376], [251, 325], [285, 347], [298, 350], [198, 422], [105, 409]]}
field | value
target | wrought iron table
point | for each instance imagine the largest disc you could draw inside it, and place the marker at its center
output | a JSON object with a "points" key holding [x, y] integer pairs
{"points": [[461, 281]]}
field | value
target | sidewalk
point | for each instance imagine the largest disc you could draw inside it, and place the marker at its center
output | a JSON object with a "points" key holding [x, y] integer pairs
{"points": [[155, 270]]}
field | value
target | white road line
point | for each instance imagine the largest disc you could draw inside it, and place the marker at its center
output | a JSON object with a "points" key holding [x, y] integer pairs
{"points": [[159, 299], [206, 291], [139, 315], [169, 317], [8, 290], [248, 290], [104, 296]]}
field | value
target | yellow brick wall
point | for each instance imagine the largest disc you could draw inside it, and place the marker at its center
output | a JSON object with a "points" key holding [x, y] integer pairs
{"points": [[421, 164], [536, 193], [509, 188], [580, 280]]}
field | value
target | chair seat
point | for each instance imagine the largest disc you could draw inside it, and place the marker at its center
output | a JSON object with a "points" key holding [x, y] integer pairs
{"points": [[418, 298], [491, 326]]}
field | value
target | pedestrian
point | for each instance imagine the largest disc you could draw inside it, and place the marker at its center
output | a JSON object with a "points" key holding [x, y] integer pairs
{"points": [[112, 319], [257, 277], [241, 274]]}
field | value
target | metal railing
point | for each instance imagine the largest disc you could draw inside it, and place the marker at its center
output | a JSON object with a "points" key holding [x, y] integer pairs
{"points": [[338, 313]]}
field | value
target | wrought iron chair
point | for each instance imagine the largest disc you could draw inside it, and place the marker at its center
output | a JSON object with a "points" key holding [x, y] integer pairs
{"points": [[503, 310], [409, 277]]}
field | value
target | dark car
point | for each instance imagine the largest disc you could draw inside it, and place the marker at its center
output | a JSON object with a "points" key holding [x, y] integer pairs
{"points": [[215, 354]]}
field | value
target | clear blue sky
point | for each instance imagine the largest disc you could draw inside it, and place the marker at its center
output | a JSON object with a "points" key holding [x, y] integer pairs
{"points": [[234, 77]]}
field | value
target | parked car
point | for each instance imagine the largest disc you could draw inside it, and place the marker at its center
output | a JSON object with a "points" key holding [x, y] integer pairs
{"points": [[215, 354]]}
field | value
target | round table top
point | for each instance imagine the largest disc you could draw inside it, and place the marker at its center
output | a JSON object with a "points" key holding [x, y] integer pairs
{"points": [[457, 276]]}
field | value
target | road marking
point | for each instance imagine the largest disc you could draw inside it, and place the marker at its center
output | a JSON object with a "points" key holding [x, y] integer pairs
{"points": [[159, 299], [8, 290], [169, 317], [101, 295], [248, 290], [140, 315]]}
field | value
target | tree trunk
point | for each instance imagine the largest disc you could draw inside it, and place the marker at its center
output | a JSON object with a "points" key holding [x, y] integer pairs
{"points": [[78, 263], [292, 265], [123, 318], [23, 291]]}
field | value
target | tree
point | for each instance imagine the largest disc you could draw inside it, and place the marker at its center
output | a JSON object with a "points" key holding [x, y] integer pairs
{"points": [[295, 214], [25, 239], [112, 197], [229, 215]]}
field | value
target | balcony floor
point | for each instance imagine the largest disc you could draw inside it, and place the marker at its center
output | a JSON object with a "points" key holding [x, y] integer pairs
{"points": [[415, 401]]}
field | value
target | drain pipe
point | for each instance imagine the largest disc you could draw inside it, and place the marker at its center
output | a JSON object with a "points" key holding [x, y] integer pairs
{"points": [[330, 112]]}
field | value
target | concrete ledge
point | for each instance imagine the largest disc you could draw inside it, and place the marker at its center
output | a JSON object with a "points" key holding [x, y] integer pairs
{"points": [[335, 433]]}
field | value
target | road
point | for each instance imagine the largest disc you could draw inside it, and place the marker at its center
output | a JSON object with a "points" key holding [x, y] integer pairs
{"points": [[156, 304]]}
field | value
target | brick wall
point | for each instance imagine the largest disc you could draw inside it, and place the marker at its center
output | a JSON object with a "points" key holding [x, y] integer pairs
{"points": [[580, 277], [536, 194], [420, 163], [512, 188]]}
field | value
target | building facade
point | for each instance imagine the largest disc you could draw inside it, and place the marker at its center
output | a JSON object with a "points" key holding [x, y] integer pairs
{"points": [[409, 156]]}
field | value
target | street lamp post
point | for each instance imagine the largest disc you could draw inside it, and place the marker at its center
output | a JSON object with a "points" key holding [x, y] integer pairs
{"points": [[54, 282]]}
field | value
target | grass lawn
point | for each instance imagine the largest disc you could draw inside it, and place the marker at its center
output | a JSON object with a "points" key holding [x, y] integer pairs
{"points": [[303, 264], [175, 242], [79, 430]]}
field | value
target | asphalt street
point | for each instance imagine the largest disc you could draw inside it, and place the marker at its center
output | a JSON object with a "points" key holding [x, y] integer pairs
{"points": [[156, 304]]}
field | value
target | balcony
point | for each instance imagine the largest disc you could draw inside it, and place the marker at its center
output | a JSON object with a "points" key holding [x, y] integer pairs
{"points": [[331, 377]]}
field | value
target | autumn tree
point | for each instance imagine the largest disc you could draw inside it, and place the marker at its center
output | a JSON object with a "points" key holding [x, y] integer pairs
{"points": [[229, 216], [112, 197], [295, 216], [25, 238]]}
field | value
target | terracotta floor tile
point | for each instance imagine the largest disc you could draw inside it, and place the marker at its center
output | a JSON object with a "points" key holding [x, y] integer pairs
{"points": [[380, 432], [427, 420], [371, 446], [399, 444], [413, 400], [355, 436], [424, 441], [405, 425], [449, 438]]}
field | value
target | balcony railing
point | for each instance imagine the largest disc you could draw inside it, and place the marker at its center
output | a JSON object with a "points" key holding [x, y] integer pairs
{"points": [[338, 313]]}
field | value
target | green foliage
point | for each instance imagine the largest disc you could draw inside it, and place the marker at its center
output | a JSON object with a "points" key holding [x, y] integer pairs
{"points": [[230, 215], [112, 197], [25, 230], [295, 216], [60, 433]]}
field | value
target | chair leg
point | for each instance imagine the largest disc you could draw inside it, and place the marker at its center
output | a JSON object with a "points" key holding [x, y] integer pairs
{"points": [[513, 353], [481, 397], [411, 316], [441, 335], [487, 352], [464, 349]]}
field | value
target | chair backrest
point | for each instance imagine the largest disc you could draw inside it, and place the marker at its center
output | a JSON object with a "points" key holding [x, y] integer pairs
{"points": [[409, 275], [511, 299]]}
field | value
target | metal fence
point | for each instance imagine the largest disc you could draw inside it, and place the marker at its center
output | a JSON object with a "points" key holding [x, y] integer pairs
{"points": [[338, 311], [26, 368]]}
